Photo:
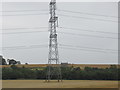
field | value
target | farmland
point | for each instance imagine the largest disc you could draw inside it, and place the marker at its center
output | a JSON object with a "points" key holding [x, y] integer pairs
{"points": [[55, 84], [38, 83], [82, 66]]}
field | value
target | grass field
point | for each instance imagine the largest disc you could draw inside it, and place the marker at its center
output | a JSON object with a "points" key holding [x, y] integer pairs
{"points": [[55, 84]]}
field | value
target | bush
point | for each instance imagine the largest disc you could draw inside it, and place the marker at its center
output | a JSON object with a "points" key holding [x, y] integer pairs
{"points": [[68, 73]]}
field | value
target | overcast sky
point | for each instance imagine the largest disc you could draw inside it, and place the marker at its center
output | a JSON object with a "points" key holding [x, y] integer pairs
{"points": [[34, 15]]}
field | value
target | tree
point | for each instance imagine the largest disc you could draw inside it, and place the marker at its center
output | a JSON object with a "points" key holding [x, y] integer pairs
{"points": [[12, 61], [2, 61]]}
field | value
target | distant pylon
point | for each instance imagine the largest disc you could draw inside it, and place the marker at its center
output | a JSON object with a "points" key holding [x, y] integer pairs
{"points": [[54, 67]]}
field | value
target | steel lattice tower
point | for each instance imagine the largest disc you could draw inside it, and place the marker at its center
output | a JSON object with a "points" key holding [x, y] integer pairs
{"points": [[54, 68]]}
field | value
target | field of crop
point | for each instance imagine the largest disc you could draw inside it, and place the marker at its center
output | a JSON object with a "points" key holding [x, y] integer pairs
{"points": [[82, 66], [55, 84]]}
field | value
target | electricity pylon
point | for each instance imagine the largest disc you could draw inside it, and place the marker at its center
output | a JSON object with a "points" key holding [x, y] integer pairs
{"points": [[53, 68]]}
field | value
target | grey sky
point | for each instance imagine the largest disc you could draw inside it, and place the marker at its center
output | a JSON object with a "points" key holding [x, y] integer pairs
{"points": [[39, 55]]}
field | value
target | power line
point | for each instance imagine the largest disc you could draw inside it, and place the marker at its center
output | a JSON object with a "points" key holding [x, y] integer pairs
{"points": [[63, 15], [94, 48], [22, 28], [87, 13], [87, 18], [61, 46], [24, 32], [61, 33], [59, 14], [86, 35], [24, 47], [26, 14], [63, 11], [78, 29], [23, 10], [86, 50], [66, 45]]}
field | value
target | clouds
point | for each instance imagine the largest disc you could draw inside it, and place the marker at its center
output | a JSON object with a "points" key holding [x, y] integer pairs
{"points": [[39, 55]]}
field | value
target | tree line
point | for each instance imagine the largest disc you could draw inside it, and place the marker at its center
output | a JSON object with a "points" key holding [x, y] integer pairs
{"points": [[68, 73]]}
